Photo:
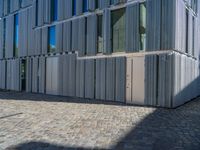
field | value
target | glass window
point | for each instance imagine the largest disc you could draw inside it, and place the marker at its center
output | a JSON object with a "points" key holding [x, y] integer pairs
{"points": [[4, 38], [16, 35], [8, 6], [52, 39], [96, 4], [73, 7], [111, 2], [85, 5], [118, 30], [54, 10], [99, 34], [142, 27]]}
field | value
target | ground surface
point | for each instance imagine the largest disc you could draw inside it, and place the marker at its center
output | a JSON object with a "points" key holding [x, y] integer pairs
{"points": [[31, 121]]}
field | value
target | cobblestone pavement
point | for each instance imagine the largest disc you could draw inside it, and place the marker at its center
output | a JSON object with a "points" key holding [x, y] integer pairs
{"points": [[34, 121]]}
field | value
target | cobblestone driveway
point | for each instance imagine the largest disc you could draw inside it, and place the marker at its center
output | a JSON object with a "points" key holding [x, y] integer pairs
{"points": [[33, 121]]}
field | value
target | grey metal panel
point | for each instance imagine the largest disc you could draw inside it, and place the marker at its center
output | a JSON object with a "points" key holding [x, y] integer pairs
{"points": [[103, 4], [25, 3], [41, 74], [110, 79], [74, 34], [91, 5], [38, 41], [132, 28], [5, 8], [1, 38], [67, 35], [67, 9], [80, 78], [35, 83], [168, 24], [100, 89], [9, 36], [72, 75], [23, 33], [59, 35], [44, 40], [120, 85], [190, 33], [40, 13], [107, 31], [82, 38], [47, 11], [91, 35], [1, 8], [61, 9], [89, 78], [153, 24], [28, 74], [2, 74], [14, 5], [79, 7]]}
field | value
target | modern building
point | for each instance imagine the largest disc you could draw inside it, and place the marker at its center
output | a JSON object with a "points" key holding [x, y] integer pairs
{"points": [[142, 52]]}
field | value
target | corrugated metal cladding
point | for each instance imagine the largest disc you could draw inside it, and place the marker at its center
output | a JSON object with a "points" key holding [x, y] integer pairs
{"points": [[166, 79]]}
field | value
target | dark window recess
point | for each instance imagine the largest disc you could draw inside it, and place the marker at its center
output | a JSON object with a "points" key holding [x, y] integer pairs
{"points": [[54, 10], [73, 7], [142, 26], [51, 39], [96, 4], [23, 74], [99, 34], [85, 5], [118, 30], [4, 38], [16, 35]]}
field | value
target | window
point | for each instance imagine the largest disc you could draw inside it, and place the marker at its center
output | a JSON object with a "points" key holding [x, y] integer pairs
{"points": [[194, 5], [16, 35], [99, 34], [4, 38], [51, 39], [193, 35], [8, 6], [142, 26], [96, 4], [73, 7], [54, 10], [118, 30], [111, 2], [85, 5]]}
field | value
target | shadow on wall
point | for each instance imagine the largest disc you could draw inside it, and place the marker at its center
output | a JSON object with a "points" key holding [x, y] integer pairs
{"points": [[164, 129]]}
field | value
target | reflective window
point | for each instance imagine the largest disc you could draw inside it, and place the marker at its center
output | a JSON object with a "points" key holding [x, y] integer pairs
{"points": [[51, 39], [54, 10], [96, 4], [99, 34], [111, 2], [85, 5], [16, 35], [142, 27], [73, 7], [118, 30]]}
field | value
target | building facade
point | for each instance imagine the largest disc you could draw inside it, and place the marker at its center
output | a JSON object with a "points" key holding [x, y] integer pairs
{"points": [[142, 52]]}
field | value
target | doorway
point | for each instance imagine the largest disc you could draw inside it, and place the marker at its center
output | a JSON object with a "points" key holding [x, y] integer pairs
{"points": [[23, 74]]}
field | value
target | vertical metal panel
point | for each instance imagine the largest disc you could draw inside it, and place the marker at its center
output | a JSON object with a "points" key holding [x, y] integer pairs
{"points": [[1, 38], [1, 8], [72, 75], [91, 5], [153, 24], [67, 36], [2, 74], [61, 9], [14, 5], [100, 89], [28, 74], [79, 7], [38, 43], [44, 46], [120, 79], [35, 74], [107, 31], [168, 24], [82, 38], [74, 34], [41, 74], [41, 14], [110, 79], [103, 4], [59, 35], [9, 36], [132, 28], [89, 78], [47, 11], [25, 3], [67, 9], [80, 78], [91, 35]]}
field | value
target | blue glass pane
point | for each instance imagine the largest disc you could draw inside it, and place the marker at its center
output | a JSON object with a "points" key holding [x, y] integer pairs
{"points": [[16, 34], [73, 7], [54, 10], [85, 5], [52, 39]]}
